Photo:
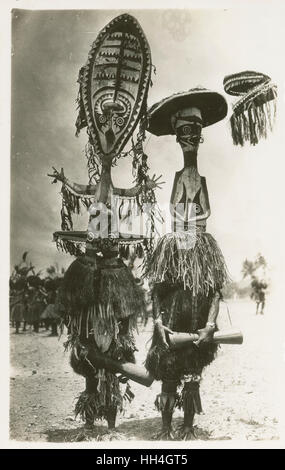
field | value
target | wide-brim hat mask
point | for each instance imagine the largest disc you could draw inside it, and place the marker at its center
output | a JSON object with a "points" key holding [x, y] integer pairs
{"points": [[255, 111], [212, 105]]}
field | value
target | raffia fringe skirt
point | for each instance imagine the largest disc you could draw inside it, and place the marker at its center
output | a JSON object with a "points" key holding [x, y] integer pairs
{"points": [[195, 261]]}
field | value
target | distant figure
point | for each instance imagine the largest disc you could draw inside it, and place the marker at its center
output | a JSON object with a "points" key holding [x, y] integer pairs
{"points": [[50, 314], [36, 301], [19, 292], [18, 305], [256, 270], [258, 294]]}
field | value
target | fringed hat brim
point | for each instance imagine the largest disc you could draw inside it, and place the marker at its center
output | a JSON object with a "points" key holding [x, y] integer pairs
{"points": [[212, 105], [238, 84], [255, 112]]}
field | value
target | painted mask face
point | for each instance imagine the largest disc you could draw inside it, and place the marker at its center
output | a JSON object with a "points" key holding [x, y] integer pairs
{"points": [[114, 85], [189, 135], [187, 125]]}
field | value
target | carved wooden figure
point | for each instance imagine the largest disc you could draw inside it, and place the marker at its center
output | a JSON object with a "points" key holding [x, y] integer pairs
{"points": [[188, 268], [101, 298]]}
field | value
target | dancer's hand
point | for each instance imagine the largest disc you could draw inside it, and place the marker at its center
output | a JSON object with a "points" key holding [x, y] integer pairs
{"points": [[153, 183], [205, 335], [58, 176], [160, 332]]}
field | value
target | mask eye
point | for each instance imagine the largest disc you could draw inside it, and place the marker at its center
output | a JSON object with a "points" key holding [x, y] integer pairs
{"points": [[196, 129], [186, 130]]}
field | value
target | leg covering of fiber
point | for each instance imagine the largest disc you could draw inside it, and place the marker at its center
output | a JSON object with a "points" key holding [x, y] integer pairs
{"points": [[190, 398], [100, 399]]}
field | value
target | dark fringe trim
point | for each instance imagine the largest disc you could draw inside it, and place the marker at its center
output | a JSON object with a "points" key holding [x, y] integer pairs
{"points": [[173, 365], [119, 295], [81, 120], [189, 400], [67, 246], [71, 204], [84, 322], [137, 249], [98, 298], [93, 161], [98, 404], [79, 288], [201, 269], [254, 123], [89, 404], [254, 115], [73, 341]]}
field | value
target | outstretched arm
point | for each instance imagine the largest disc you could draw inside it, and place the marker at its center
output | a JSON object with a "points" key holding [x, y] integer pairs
{"points": [[78, 189], [151, 183]]}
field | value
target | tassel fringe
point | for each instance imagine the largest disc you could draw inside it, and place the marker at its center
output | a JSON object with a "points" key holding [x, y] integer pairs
{"points": [[73, 248], [81, 121], [71, 204], [252, 119], [201, 269], [98, 404], [254, 113], [190, 400]]}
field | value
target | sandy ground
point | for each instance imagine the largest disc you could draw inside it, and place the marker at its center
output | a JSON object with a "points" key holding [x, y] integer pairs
{"points": [[237, 389]]}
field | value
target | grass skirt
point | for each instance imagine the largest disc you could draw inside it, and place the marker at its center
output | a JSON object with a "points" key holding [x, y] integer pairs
{"points": [[183, 313], [107, 393], [104, 288], [195, 261], [101, 304], [187, 270]]}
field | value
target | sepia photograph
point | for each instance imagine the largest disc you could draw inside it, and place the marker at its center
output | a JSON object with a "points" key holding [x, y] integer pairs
{"points": [[144, 192]]}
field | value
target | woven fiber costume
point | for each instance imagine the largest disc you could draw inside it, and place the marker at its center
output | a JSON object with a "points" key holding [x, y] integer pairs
{"points": [[255, 111], [100, 296], [188, 269]]}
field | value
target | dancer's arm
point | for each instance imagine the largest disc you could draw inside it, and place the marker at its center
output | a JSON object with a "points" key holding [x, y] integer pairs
{"points": [[77, 189], [206, 334], [151, 183], [159, 330]]}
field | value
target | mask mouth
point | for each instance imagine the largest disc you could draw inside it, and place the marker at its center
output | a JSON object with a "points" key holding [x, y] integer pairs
{"points": [[189, 134], [189, 140]]}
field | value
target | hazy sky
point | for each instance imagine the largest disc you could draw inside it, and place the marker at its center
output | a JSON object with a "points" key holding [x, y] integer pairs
{"points": [[189, 48]]}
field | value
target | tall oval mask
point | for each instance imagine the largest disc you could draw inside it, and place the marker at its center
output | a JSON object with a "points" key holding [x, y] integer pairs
{"points": [[114, 85]]}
